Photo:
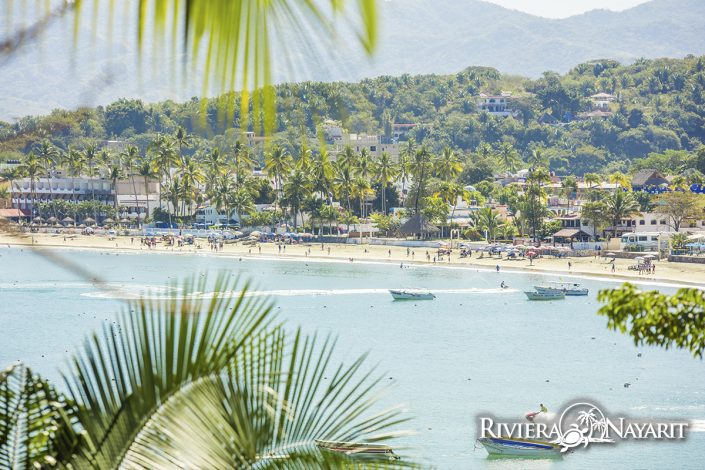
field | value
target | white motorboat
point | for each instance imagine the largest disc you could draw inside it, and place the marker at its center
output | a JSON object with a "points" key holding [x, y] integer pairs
{"points": [[535, 295], [411, 294], [507, 446], [568, 288]]}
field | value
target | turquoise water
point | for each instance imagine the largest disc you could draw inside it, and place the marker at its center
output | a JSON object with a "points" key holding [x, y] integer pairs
{"points": [[474, 349]]}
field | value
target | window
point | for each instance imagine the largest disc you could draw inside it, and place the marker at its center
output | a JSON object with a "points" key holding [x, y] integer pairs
{"points": [[653, 222], [373, 148], [642, 222], [586, 222], [643, 238], [654, 238], [663, 222]]}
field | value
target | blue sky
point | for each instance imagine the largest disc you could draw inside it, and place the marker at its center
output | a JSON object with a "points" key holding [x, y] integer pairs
{"points": [[564, 8]]}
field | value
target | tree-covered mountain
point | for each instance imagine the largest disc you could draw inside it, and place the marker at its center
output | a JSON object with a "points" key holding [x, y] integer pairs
{"points": [[658, 106], [416, 36]]}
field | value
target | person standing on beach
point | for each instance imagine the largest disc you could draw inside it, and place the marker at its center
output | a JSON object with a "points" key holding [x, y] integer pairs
{"points": [[328, 250], [570, 265], [497, 268], [613, 268]]}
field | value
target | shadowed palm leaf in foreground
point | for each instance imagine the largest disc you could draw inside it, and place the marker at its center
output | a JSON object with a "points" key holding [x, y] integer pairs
{"points": [[190, 382]]}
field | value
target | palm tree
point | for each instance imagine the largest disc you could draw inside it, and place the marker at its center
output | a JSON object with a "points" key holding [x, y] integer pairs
{"points": [[220, 195], [448, 166], [322, 174], [277, 164], [182, 140], [537, 158], [344, 181], [489, 221], [145, 169], [450, 192], [90, 157], [241, 199], [10, 175], [362, 190], [387, 172], [508, 157], [32, 168], [570, 187], [620, 205], [679, 183], [621, 180], [305, 160], [129, 158], [592, 180], [150, 391], [296, 190], [192, 177], [421, 167], [115, 172], [330, 214], [49, 156]]}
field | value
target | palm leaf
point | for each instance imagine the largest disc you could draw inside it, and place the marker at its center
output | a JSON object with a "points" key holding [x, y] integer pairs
{"points": [[35, 421], [154, 350], [267, 411]]}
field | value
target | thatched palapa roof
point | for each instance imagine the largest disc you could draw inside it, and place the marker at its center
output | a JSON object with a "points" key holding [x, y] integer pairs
{"points": [[417, 224]]}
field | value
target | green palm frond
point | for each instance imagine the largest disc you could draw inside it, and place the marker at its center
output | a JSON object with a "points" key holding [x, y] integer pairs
{"points": [[35, 421], [267, 411], [153, 351]]}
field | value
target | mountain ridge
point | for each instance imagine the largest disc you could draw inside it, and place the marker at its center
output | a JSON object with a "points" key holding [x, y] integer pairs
{"points": [[416, 37]]}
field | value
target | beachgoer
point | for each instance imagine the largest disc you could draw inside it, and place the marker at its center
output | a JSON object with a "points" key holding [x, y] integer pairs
{"points": [[412, 255], [389, 253], [543, 408], [503, 285], [328, 250], [497, 268], [401, 266], [407, 252], [260, 249], [613, 268], [570, 265]]}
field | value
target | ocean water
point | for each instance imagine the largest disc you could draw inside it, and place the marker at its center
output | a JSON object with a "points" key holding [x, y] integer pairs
{"points": [[475, 349]]}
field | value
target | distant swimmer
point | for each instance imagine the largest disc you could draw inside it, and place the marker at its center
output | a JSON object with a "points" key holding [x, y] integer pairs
{"points": [[503, 285]]}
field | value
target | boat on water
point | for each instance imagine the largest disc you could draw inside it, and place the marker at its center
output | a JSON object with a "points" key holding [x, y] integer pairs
{"points": [[356, 448], [536, 295], [568, 288], [506, 446], [411, 294]]}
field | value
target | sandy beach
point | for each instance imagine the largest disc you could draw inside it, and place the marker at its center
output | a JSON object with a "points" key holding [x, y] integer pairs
{"points": [[677, 273]]}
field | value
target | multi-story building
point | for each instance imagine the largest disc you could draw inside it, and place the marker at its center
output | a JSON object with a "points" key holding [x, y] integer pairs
{"points": [[69, 189], [497, 105]]}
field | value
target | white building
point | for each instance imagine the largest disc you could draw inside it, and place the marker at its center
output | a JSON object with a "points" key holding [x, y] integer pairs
{"points": [[497, 105], [601, 101], [69, 189], [372, 143]]}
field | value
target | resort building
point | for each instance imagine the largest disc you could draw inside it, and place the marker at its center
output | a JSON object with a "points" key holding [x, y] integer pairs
{"points": [[69, 189], [497, 105]]}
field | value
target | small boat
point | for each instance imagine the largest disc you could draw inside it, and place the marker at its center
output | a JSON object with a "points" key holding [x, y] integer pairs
{"points": [[534, 295], [355, 448], [510, 446], [568, 288], [407, 294]]}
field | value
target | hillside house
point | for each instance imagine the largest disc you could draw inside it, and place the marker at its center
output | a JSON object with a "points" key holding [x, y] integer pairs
{"points": [[497, 105], [643, 179]]}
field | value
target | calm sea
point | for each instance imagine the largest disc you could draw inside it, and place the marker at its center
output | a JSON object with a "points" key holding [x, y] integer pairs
{"points": [[474, 349]]}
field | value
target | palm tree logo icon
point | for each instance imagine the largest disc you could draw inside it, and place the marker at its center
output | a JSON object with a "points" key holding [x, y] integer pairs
{"points": [[582, 424]]}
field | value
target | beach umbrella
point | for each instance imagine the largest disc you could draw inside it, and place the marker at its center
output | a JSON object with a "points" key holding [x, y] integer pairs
{"points": [[108, 221], [124, 221], [67, 220], [237, 233], [82, 226], [38, 219], [89, 221], [52, 219], [256, 233]]}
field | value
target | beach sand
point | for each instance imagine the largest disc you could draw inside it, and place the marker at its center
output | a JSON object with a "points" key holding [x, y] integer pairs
{"points": [[666, 272]]}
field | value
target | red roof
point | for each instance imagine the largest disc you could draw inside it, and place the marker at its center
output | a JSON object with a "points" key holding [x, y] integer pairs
{"points": [[10, 213]]}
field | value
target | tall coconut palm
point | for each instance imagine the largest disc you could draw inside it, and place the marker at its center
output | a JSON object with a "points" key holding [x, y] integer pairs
{"points": [[322, 174], [214, 166], [50, 157], [32, 168], [191, 175], [182, 141], [129, 158], [421, 168], [450, 192], [305, 160], [296, 190], [344, 181], [508, 157], [146, 170], [592, 180], [620, 205], [448, 165], [620, 180], [278, 164], [386, 172], [362, 190], [149, 391], [114, 172], [570, 187]]}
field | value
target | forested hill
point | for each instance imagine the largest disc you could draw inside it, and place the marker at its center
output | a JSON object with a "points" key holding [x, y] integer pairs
{"points": [[416, 36], [659, 106]]}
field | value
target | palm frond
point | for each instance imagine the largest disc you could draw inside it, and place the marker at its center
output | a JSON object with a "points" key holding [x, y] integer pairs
{"points": [[267, 411], [156, 348], [35, 421]]}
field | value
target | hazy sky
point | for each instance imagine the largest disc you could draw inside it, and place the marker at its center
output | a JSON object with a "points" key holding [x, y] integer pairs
{"points": [[564, 8]]}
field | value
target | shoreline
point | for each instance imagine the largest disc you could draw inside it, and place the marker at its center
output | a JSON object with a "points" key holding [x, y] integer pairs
{"points": [[668, 274]]}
